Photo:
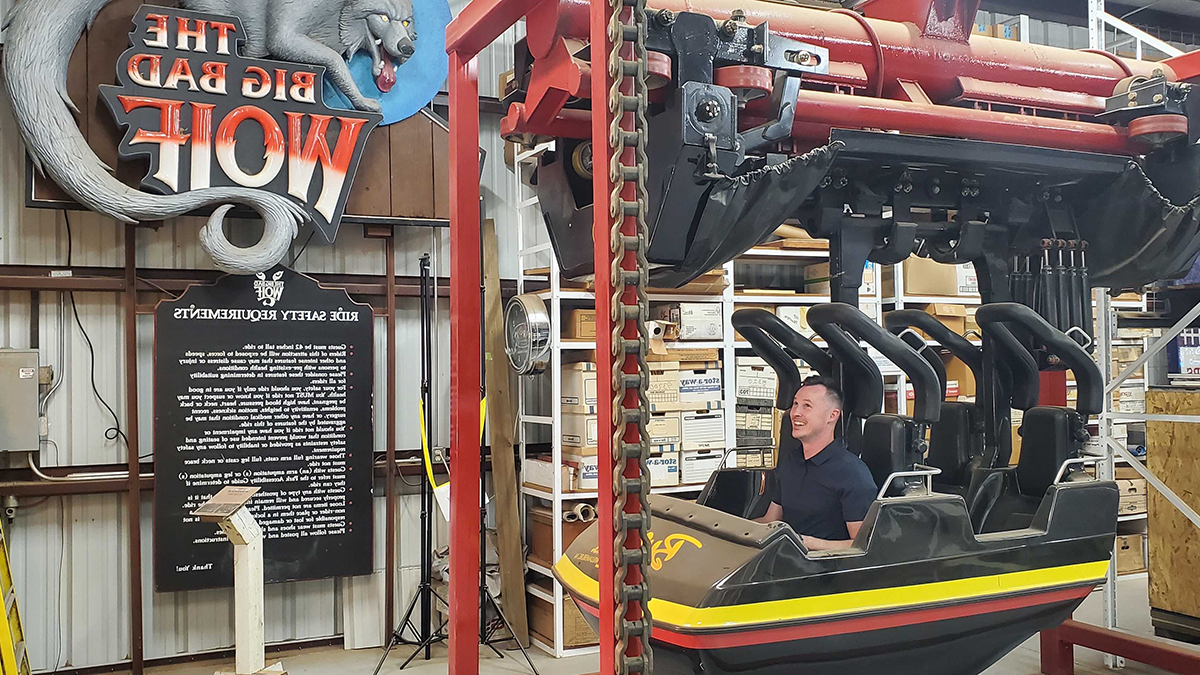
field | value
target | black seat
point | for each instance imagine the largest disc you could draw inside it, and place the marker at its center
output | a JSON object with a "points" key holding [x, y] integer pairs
{"points": [[738, 492], [1050, 435], [886, 446], [956, 444]]}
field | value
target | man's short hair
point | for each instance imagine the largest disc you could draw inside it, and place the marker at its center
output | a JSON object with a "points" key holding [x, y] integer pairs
{"points": [[831, 389]]}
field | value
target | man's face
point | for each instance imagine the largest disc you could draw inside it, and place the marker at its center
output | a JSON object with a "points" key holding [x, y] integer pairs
{"points": [[812, 413]]}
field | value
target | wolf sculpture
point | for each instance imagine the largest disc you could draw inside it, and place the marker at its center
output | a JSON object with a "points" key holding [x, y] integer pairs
{"points": [[41, 35]]}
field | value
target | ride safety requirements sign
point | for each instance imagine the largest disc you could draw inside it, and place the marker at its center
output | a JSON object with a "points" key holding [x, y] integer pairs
{"points": [[263, 381]]}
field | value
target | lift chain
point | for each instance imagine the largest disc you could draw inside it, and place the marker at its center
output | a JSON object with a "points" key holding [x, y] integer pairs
{"points": [[630, 304]]}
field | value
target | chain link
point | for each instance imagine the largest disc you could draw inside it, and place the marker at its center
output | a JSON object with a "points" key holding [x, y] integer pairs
{"points": [[627, 105]]}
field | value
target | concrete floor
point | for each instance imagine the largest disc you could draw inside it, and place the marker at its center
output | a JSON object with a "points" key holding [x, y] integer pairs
{"points": [[1134, 613]]}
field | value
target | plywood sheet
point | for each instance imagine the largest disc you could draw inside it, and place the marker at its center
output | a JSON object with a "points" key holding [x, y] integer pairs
{"points": [[371, 192], [1173, 455], [412, 173]]}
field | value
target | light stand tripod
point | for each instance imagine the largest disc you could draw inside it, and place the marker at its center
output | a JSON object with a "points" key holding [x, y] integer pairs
{"points": [[425, 637]]}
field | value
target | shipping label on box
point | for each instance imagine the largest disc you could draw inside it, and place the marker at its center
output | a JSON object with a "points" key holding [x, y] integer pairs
{"points": [[580, 431], [968, 281], [663, 391], [579, 388], [587, 470], [795, 316], [664, 430], [756, 382], [696, 320], [703, 429], [696, 466], [700, 387], [664, 469], [580, 325]]}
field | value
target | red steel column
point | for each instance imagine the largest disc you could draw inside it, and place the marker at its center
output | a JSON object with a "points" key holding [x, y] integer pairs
{"points": [[465, 304]]}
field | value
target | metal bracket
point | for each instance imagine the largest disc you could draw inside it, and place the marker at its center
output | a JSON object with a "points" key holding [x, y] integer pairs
{"points": [[783, 102], [709, 110]]}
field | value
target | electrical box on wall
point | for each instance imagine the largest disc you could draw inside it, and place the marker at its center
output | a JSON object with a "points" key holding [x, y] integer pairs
{"points": [[19, 404]]}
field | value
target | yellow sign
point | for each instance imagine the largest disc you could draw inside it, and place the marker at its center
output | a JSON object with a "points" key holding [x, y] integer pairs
{"points": [[664, 550]]}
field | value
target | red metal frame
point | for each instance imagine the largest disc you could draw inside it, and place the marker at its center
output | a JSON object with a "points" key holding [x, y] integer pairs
{"points": [[1058, 653], [465, 303]]}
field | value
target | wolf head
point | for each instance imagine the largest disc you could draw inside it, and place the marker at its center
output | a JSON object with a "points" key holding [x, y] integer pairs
{"points": [[386, 29]]}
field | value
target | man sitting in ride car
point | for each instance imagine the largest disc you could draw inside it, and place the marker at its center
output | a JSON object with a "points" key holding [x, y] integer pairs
{"points": [[820, 488]]}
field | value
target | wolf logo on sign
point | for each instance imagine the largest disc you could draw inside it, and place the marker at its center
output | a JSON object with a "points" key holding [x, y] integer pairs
{"points": [[269, 292]]}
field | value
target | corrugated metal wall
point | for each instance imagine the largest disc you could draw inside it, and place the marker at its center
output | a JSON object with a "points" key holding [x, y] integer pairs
{"points": [[70, 555]]}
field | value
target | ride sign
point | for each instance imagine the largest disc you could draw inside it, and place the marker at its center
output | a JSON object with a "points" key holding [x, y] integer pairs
{"points": [[208, 117]]}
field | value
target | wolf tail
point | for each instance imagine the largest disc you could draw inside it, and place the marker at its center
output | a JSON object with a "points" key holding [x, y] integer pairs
{"points": [[41, 36]]}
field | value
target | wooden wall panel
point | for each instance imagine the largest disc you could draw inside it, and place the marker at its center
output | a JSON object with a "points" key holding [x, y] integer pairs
{"points": [[1173, 454], [441, 173], [371, 192], [412, 159]]}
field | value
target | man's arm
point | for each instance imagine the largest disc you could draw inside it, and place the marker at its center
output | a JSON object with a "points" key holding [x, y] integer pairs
{"points": [[774, 513], [815, 544]]}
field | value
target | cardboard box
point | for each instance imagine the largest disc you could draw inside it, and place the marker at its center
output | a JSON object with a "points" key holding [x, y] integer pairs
{"points": [[580, 431], [757, 382], [703, 429], [971, 324], [683, 355], [576, 631], [697, 465], [580, 324], [968, 280], [1130, 552], [923, 276], [817, 279], [1011, 31], [578, 388], [1133, 496], [754, 426], [700, 386], [696, 320], [539, 472], [665, 431], [587, 471], [958, 371], [663, 391], [541, 534], [795, 316], [951, 316], [752, 458], [664, 469]]}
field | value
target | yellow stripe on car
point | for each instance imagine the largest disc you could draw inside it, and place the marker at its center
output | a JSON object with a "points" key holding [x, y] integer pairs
{"points": [[854, 602]]}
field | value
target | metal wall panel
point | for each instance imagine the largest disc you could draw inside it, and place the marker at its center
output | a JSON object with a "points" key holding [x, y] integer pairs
{"points": [[85, 607]]}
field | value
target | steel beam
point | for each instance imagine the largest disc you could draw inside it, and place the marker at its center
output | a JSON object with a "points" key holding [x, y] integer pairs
{"points": [[389, 601], [465, 302], [134, 499]]}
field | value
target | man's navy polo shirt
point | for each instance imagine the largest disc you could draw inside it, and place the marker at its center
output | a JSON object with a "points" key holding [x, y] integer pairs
{"points": [[820, 495]]}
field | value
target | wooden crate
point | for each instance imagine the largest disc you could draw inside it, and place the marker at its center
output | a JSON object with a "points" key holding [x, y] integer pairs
{"points": [[541, 535], [575, 629], [1173, 452]]}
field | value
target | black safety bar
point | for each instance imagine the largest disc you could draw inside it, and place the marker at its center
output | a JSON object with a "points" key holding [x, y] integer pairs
{"points": [[766, 347], [928, 353], [898, 320], [796, 344], [861, 380], [1088, 383], [928, 399], [1020, 366]]}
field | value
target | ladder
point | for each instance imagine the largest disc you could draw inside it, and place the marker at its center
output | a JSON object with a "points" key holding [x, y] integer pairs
{"points": [[13, 657]]}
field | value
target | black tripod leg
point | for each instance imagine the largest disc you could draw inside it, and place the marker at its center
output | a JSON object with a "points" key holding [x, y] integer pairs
{"points": [[513, 633]]}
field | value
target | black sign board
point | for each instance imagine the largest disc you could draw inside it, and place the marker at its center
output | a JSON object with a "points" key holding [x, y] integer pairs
{"points": [[263, 381], [206, 116]]}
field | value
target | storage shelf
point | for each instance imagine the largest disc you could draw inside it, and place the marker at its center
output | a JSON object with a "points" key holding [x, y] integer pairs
{"points": [[927, 299], [1131, 517], [795, 299], [781, 253], [540, 569], [548, 495], [576, 294], [567, 652], [538, 591]]}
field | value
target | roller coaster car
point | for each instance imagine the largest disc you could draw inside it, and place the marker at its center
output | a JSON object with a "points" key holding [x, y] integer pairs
{"points": [[920, 590]]}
